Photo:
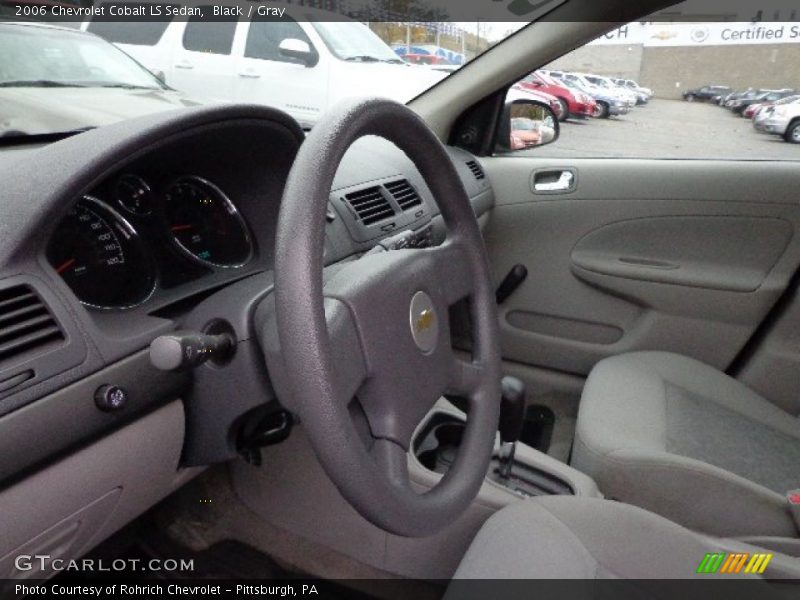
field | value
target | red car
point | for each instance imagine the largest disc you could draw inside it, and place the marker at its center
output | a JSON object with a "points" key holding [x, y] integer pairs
{"points": [[751, 110], [573, 102], [553, 102], [525, 133], [424, 59]]}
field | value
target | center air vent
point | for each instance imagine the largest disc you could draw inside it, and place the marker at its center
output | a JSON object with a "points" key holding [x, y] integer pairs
{"points": [[404, 194], [26, 323], [476, 169], [370, 205]]}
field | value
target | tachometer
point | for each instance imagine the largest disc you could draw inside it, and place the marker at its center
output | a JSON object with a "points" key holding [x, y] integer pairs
{"points": [[205, 224], [101, 257]]}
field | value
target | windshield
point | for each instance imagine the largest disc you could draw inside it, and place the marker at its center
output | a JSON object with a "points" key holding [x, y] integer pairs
{"points": [[353, 41], [599, 82], [303, 62], [33, 56]]}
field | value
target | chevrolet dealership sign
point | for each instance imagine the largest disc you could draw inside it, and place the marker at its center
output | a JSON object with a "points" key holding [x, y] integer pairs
{"points": [[702, 34]]}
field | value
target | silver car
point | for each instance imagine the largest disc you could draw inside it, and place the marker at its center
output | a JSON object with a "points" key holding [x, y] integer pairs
{"points": [[780, 119]]}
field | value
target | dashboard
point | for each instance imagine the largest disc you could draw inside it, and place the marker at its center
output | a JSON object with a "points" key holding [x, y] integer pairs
{"points": [[115, 236]]}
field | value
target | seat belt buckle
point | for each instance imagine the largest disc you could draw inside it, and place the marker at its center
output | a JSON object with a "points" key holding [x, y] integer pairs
{"points": [[793, 497]]}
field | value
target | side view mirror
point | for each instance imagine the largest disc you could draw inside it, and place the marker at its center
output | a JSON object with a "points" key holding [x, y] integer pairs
{"points": [[526, 123], [299, 50]]}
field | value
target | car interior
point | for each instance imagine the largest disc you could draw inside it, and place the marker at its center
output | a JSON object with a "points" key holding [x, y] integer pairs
{"points": [[508, 379]]}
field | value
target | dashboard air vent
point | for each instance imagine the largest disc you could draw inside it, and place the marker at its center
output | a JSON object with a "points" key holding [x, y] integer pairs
{"points": [[370, 205], [404, 193], [476, 169], [26, 323]]}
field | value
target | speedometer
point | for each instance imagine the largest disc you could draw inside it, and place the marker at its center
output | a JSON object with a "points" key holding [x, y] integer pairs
{"points": [[101, 257], [205, 224]]}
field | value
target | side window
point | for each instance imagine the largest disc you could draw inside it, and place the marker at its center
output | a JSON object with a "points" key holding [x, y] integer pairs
{"points": [[212, 37], [665, 89], [265, 36]]}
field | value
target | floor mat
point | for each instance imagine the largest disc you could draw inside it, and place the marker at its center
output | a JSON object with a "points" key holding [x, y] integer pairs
{"points": [[224, 561]]}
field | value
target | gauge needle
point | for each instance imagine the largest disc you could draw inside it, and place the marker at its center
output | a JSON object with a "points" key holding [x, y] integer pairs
{"points": [[65, 265], [180, 227]]}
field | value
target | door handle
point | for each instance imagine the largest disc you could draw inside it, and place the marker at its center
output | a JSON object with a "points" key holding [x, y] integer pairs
{"points": [[249, 75], [184, 65], [554, 181]]}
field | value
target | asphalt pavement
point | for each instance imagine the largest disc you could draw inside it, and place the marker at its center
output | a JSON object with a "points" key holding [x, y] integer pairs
{"points": [[669, 129]]}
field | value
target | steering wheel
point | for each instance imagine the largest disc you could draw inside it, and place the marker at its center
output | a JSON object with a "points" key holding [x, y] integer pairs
{"points": [[377, 329]]}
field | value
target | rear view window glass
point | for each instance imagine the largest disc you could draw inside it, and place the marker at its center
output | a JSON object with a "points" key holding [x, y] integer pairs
{"points": [[213, 37], [142, 33]]}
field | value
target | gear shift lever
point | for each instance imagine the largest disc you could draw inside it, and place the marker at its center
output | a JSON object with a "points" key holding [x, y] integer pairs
{"points": [[512, 416]]}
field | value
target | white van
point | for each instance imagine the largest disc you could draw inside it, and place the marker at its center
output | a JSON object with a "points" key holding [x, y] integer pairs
{"points": [[301, 63]]}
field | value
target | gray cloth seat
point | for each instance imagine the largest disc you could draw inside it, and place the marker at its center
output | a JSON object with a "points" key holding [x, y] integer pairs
{"points": [[561, 537], [684, 440]]}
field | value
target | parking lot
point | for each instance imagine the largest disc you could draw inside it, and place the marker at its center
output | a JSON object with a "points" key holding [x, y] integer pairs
{"points": [[669, 129]]}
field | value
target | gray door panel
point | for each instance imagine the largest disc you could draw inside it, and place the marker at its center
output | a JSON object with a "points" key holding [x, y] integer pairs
{"points": [[685, 256]]}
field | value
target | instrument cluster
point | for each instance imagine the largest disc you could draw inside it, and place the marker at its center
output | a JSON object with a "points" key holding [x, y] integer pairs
{"points": [[115, 247]]}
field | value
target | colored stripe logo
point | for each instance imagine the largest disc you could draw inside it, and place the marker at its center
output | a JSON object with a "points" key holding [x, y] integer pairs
{"points": [[732, 563]]}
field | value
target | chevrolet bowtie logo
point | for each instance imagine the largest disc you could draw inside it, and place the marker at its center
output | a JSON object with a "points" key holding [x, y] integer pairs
{"points": [[424, 321], [664, 35]]}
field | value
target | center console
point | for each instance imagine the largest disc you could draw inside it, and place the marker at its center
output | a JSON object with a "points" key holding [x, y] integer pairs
{"points": [[516, 470]]}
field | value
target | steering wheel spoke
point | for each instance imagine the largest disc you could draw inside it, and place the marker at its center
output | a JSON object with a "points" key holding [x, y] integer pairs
{"points": [[452, 266], [391, 459], [465, 378], [350, 368]]}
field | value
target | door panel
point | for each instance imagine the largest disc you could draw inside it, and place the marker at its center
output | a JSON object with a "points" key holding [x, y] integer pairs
{"points": [[723, 253], [684, 256]]}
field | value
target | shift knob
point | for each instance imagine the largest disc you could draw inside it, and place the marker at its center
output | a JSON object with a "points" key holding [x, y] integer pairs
{"points": [[189, 349], [512, 409]]}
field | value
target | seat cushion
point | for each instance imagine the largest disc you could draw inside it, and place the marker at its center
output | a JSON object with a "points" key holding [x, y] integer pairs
{"points": [[561, 537], [675, 436], [566, 537]]}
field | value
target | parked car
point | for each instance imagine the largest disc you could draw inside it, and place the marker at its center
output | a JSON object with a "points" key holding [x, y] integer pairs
{"points": [[573, 102], [52, 74], [722, 99], [707, 92], [630, 83], [739, 105], [525, 133], [543, 97], [424, 59], [642, 94], [609, 86], [745, 95], [318, 63], [752, 111], [607, 104], [781, 119]]}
